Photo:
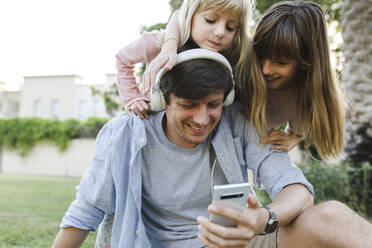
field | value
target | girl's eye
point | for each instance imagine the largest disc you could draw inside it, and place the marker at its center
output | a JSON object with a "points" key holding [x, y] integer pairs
{"points": [[209, 20], [232, 29], [281, 62]]}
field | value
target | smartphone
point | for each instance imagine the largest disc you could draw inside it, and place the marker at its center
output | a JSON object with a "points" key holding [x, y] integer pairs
{"points": [[233, 196]]}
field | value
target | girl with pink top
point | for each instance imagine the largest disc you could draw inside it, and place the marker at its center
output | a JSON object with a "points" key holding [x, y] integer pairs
{"points": [[217, 25]]}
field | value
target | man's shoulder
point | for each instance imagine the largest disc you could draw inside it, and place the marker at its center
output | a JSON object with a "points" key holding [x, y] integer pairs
{"points": [[232, 109], [122, 124], [236, 122], [120, 120], [233, 116]]}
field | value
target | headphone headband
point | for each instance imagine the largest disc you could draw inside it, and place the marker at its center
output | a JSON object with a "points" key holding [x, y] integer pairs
{"points": [[157, 100]]}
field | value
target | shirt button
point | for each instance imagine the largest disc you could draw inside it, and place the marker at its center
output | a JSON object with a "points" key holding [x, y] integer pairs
{"points": [[221, 155], [137, 232]]}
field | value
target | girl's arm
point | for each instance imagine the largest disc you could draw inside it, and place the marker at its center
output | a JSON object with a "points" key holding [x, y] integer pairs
{"points": [[167, 56], [282, 140], [142, 50], [104, 232]]}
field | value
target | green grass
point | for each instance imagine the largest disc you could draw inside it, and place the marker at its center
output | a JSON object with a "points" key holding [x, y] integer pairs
{"points": [[31, 209]]}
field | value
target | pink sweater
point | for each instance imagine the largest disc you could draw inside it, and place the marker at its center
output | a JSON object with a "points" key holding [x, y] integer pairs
{"points": [[143, 50], [280, 103]]}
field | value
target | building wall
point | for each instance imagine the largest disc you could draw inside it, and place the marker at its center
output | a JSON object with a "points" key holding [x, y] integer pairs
{"points": [[9, 104], [45, 159], [47, 89], [87, 105], [59, 97]]}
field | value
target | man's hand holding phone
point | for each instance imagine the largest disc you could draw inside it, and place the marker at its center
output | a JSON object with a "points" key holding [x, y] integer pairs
{"points": [[250, 222]]}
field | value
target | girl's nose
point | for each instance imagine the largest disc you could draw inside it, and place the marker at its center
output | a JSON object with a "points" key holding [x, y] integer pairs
{"points": [[219, 31], [267, 67]]}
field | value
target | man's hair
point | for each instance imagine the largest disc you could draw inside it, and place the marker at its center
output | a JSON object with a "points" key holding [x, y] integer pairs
{"points": [[196, 79]]}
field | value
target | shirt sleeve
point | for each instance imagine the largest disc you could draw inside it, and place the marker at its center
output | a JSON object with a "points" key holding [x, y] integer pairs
{"points": [[142, 50], [273, 170], [95, 195]]}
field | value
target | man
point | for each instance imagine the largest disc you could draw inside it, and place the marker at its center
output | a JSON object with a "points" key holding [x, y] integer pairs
{"points": [[156, 175]]}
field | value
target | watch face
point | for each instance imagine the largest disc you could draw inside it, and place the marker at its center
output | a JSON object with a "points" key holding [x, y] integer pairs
{"points": [[271, 226], [272, 223]]}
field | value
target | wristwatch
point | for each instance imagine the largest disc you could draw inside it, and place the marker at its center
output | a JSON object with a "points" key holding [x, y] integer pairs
{"points": [[272, 223]]}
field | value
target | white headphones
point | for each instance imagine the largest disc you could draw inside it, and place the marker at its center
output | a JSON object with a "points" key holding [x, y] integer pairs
{"points": [[157, 100]]}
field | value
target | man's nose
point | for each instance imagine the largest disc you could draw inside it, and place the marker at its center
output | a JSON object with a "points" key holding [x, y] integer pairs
{"points": [[201, 116], [267, 67]]}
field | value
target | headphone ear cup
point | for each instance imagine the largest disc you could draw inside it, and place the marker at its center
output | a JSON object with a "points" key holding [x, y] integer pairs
{"points": [[230, 98], [157, 101]]}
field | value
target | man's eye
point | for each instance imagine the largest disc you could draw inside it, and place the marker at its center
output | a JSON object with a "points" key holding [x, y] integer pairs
{"points": [[214, 105], [209, 20], [187, 106]]}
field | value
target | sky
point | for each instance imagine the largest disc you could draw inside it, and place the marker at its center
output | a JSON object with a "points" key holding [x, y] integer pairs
{"points": [[53, 37]]}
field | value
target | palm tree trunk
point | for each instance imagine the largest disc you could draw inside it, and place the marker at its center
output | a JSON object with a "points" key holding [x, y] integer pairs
{"points": [[356, 27]]}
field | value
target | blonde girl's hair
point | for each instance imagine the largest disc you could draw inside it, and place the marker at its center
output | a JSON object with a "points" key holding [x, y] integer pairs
{"points": [[297, 30], [236, 52]]}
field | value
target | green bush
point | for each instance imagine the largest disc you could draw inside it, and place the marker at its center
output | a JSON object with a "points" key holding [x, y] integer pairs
{"points": [[344, 182], [93, 125], [21, 134]]}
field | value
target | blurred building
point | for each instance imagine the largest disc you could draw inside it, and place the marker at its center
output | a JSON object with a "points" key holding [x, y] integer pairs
{"points": [[55, 97], [9, 102]]}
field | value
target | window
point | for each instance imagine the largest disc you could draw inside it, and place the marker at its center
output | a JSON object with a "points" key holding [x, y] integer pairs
{"points": [[37, 108], [55, 109], [82, 115], [97, 107]]}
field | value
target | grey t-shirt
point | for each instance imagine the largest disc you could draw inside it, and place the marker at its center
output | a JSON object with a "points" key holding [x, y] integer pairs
{"points": [[176, 187]]}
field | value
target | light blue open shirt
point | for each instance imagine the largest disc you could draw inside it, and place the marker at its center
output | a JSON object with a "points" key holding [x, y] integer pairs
{"points": [[113, 182]]}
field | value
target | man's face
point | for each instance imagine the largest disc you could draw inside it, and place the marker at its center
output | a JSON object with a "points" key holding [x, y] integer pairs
{"points": [[189, 122]]}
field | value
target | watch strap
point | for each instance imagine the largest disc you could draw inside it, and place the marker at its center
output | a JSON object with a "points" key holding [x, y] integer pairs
{"points": [[272, 223]]}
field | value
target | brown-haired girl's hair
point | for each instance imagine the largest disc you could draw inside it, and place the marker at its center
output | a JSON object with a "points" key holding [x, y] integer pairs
{"points": [[297, 30]]}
